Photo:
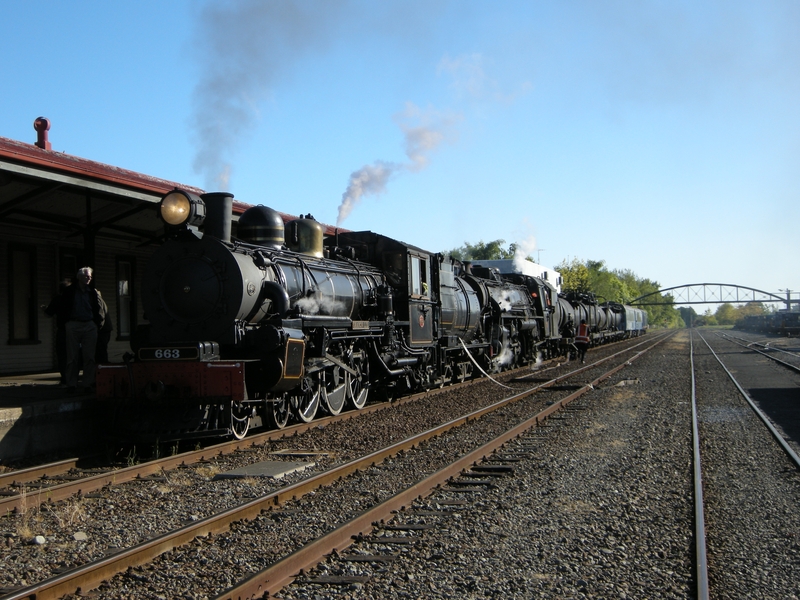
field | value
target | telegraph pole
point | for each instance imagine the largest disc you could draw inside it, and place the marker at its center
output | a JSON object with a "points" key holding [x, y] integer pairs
{"points": [[788, 299]]}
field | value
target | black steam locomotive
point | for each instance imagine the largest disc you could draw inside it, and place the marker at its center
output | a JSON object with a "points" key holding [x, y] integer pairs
{"points": [[281, 322]]}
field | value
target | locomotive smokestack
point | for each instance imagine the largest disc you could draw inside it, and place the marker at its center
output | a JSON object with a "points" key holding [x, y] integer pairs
{"points": [[219, 213]]}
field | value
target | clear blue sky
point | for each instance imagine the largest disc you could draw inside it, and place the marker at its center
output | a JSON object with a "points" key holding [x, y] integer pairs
{"points": [[661, 137]]}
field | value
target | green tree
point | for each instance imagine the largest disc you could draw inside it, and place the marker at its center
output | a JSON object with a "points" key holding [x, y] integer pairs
{"points": [[608, 285], [619, 286], [688, 315], [752, 309], [706, 319], [483, 251], [726, 314], [574, 276]]}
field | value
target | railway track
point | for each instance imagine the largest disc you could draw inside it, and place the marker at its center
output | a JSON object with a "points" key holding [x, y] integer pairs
{"points": [[750, 480], [63, 479], [89, 575], [53, 482], [790, 360], [700, 553], [761, 568]]}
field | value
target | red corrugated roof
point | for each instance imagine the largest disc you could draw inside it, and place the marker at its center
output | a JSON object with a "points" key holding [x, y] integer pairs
{"points": [[66, 163], [23, 153]]}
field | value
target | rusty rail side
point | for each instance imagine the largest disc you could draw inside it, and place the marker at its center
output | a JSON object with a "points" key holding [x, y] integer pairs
{"points": [[90, 575], [34, 498], [274, 578]]}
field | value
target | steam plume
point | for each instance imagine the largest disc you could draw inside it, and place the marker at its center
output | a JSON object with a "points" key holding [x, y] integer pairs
{"points": [[243, 48], [523, 250], [370, 180], [423, 131]]}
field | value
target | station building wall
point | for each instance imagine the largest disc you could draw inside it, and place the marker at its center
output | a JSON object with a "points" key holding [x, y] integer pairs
{"points": [[32, 263]]}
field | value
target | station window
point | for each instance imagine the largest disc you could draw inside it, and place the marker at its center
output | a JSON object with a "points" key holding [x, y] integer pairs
{"points": [[419, 276], [126, 309], [23, 322], [69, 261]]}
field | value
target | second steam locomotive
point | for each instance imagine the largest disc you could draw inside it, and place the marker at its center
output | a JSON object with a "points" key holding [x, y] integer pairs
{"points": [[282, 321]]}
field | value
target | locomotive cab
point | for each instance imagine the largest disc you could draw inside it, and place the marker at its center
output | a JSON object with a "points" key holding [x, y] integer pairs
{"points": [[410, 271]]}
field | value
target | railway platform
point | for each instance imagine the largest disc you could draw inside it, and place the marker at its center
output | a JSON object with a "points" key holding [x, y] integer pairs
{"points": [[38, 417]]}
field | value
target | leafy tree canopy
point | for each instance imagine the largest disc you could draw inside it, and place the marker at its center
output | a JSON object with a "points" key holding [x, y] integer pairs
{"points": [[688, 314], [725, 314], [619, 285], [484, 251], [728, 314], [574, 276]]}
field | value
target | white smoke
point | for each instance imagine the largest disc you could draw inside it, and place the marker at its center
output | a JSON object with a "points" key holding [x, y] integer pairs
{"points": [[523, 250], [244, 48], [505, 302], [504, 357], [467, 72], [424, 132], [319, 304], [471, 79], [370, 180]]}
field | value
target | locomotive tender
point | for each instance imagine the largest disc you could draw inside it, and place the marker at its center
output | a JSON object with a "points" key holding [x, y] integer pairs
{"points": [[281, 321]]}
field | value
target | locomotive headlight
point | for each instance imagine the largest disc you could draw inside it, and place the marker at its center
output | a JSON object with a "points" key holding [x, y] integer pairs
{"points": [[180, 207]]}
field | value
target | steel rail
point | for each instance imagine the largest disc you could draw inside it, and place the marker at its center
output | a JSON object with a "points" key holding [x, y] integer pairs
{"points": [[90, 575], [732, 340], [32, 498], [277, 576], [33, 473], [776, 434], [765, 346], [701, 557]]}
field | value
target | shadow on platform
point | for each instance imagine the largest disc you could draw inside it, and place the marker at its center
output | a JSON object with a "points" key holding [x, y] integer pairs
{"points": [[39, 417]]}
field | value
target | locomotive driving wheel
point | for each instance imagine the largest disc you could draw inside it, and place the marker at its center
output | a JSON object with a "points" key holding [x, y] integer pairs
{"points": [[335, 383], [306, 402], [278, 412], [358, 387], [240, 419]]}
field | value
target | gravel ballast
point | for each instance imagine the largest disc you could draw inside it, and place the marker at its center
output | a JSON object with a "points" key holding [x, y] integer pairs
{"points": [[603, 509], [599, 506]]}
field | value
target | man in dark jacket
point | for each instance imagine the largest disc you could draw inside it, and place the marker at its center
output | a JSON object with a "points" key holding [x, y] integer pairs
{"points": [[84, 314], [103, 336], [54, 309]]}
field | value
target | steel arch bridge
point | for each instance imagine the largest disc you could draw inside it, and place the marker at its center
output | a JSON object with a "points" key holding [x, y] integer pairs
{"points": [[712, 293]]}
